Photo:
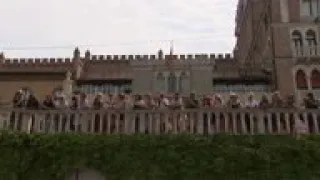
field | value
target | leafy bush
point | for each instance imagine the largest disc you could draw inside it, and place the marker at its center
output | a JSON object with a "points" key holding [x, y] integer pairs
{"points": [[170, 157]]}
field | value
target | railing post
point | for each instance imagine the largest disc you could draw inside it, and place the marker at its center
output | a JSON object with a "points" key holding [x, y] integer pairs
{"points": [[200, 124], [260, 119]]}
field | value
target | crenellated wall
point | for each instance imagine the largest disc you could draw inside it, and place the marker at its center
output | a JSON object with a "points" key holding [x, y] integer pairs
{"points": [[227, 56], [69, 61], [38, 62]]}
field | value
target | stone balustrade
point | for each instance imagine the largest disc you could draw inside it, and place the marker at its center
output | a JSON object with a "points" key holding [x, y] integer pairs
{"points": [[199, 121], [307, 51]]}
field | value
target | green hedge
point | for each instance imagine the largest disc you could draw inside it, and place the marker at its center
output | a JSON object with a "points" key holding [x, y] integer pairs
{"points": [[169, 157]]}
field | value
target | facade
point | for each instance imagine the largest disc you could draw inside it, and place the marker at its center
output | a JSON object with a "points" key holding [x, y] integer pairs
{"points": [[277, 50], [159, 73], [281, 37]]}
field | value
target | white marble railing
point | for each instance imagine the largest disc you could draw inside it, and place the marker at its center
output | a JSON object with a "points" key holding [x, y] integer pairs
{"points": [[200, 121]]}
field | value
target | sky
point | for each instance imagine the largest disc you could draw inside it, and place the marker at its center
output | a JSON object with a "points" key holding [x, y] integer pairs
{"points": [[53, 28]]}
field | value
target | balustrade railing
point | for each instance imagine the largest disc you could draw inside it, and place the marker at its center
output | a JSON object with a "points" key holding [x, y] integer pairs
{"points": [[307, 51], [199, 121]]}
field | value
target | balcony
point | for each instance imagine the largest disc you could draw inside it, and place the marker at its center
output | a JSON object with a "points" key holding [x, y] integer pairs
{"points": [[306, 52], [200, 121]]}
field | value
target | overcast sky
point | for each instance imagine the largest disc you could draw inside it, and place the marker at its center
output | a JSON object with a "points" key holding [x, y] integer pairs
{"points": [[115, 26]]}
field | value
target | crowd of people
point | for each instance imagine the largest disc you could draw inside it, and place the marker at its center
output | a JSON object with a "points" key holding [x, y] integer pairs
{"points": [[174, 101], [129, 101]]}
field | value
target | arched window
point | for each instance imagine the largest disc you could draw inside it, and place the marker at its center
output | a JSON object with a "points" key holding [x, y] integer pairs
{"points": [[172, 83], [311, 41], [297, 42], [184, 85], [311, 37], [301, 80], [160, 82], [315, 79]]}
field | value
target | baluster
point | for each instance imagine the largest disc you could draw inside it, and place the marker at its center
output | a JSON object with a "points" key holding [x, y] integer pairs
{"points": [[278, 119], [61, 122], [29, 121], [287, 123], [243, 122], [226, 122], [261, 122], [151, 120], [67, 122], [93, 122], [52, 122], [37, 123], [269, 121], [183, 121], [109, 116], [77, 118], [5, 120], [305, 118], [252, 124], [209, 124], [175, 119], [217, 122], [157, 118], [200, 124], [17, 118], [117, 123], [101, 122], [234, 123], [142, 122], [315, 121], [191, 122]]}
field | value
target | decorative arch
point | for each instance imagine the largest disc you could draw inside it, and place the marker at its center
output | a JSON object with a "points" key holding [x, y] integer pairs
{"points": [[296, 37], [311, 37], [160, 82], [315, 79], [172, 82], [297, 42], [301, 79], [184, 84]]}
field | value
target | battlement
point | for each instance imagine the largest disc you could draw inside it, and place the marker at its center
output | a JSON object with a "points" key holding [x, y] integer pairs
{"points": [[39, 62], [188, 57]]}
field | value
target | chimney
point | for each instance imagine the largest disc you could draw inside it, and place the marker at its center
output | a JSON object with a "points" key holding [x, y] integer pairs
{"points": [[76, 53], [2, 57], [160, 54], [87, 55]]}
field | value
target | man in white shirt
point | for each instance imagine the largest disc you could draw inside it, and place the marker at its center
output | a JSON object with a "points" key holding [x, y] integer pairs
{"points": [[251, 102], [163, 101]]}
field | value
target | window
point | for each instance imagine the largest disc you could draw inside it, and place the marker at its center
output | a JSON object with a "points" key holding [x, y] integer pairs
{"points": [[311, 37], [297, 42], [310, 8], [315, 79], [172, 83], [311, 41], [160, 82], [301, 80], [184, 85]]}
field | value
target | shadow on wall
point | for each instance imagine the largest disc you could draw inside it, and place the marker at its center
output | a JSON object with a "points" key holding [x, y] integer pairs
{"points": [[84, 174]]}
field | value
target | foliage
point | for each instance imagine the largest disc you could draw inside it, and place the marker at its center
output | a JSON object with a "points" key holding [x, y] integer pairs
{"points": [[170, 157]]}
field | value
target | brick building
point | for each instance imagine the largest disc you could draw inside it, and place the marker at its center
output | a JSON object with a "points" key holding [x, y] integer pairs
{"points": [[281, 37]]}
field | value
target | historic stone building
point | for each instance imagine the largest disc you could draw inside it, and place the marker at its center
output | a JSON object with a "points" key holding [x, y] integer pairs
{"points": [[159, 73], [277, 49], [281, 37]]}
